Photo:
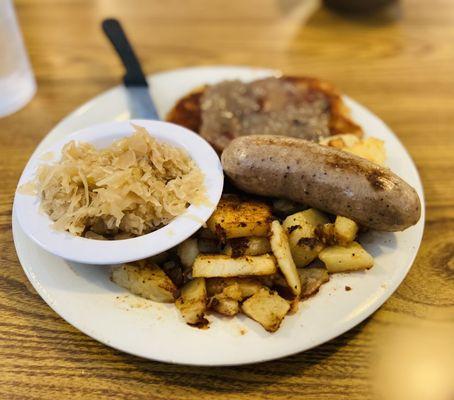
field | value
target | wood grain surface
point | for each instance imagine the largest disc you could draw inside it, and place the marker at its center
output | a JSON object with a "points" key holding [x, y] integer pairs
{"points": [[399, 64]]}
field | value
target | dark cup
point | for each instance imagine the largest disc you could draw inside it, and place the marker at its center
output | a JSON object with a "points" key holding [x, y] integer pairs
{"points": [[358, 6]]}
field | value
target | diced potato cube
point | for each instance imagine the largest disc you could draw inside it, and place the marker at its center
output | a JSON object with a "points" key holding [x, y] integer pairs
{"points": [[146, 280], [220, 265], [234, 218], [371, 149], [248, 246], [192, 302], [345, 230], [232, 291], [340, 141], [346, 258], [281, 250], [302, 239], [304, 249], [226, 302], [188, 251], [306, 220], [247, 286], [267, 308], [326, 234], [217, 285], [225, 306]]}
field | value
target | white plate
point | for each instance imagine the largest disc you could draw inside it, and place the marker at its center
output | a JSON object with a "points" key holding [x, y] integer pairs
{"points": [[38, 226], [84, 296]]}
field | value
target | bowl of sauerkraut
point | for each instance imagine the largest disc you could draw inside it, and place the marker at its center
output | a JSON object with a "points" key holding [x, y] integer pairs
{"points": [[119, 191]]}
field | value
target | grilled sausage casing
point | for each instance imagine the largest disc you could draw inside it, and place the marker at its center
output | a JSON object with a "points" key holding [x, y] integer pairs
{"points": [[322, 177]]}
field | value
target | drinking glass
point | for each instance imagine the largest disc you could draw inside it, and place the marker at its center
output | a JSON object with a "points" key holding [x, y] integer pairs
{"points": [[17, 83]]}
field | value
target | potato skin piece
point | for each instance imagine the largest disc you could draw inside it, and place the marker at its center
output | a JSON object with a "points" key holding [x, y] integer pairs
{"points": [[311, 280], [324, 178]]}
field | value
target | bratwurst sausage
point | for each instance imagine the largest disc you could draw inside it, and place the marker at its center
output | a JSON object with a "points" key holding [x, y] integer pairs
{"points": [[322, 177]]}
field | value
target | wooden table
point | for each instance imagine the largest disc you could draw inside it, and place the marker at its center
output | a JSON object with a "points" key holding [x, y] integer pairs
{"points": [[402, 70]]}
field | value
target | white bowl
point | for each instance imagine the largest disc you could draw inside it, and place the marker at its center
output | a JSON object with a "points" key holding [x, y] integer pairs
{"points": [[38, 226]]}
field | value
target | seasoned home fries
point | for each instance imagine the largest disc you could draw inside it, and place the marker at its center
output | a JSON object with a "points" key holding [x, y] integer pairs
{"points": [[253, 258]]}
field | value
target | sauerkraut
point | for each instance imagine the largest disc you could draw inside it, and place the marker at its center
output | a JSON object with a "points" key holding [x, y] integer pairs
{"points": [[133, 187]]}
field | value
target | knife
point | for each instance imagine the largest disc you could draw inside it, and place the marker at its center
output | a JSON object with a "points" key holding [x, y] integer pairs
{"points": [[140, 103]]}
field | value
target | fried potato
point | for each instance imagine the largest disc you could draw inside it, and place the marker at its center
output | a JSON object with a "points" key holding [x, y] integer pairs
{"points": [[227, 301], [232, 292], [220, 265], [300, 228], [294, 305], [234, 218], [267, 308], [370, 148], [281, 250], [250, 246], [273, 280], [342, 232], [346, 258], [307, 219], [188, 251], [146, 280], [217, 285], [247, 286], [225, 306], [192, 302], [340, 141], [209, 245], [325, 233], [311, 280], [304, 249], [345, 230]]}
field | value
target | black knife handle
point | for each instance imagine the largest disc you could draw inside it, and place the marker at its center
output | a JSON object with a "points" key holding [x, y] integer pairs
{"points": [[134, 75]]}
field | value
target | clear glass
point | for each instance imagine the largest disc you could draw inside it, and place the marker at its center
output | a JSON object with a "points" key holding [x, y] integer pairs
{"points": [[17, 83]]}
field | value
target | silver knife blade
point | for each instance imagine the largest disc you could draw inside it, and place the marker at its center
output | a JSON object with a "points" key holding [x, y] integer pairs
{"points": [[140, 103]]}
